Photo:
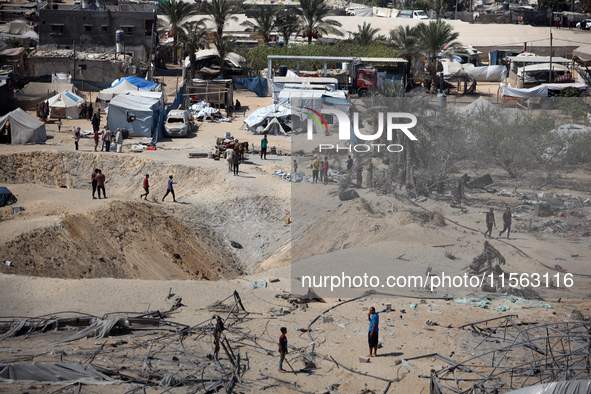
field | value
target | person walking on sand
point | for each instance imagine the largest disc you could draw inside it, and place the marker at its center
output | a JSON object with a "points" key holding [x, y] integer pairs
{"points": [[359, 175], [100, 183], [506, 222], [372, 337], [96, 140], [490, 222], [107, 136], [315, 166], [282, 348], [369, 173], [461, 186], [59, 125], [77, 137], [170, 189], [264, 143], [325, 170], [146, 188], [236, 164], [349, 164], [229, 155], [118, 141], [94, 182], [96, 122]]}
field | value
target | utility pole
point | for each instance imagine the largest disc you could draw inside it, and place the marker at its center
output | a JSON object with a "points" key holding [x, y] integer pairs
{"points": [[74, 73], [550, 72], [150, 71]]}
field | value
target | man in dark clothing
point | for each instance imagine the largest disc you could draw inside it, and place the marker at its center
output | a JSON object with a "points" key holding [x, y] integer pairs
{"points": [[100, 183], [264, 143], [506, 223], [372, 336], [359, 175], [170, 189], [349, 164], [490, 222], [96, 122], [89, 111], [282, 348], [461, 186]]}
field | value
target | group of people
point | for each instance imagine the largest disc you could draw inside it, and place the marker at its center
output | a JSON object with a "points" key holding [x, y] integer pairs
{"points": [[319, 170], [108, 138], [490, 222], [169, 188], [98, 181], [235, 156], [85, 111]]}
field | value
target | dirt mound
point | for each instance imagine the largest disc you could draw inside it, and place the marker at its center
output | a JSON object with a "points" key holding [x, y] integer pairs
{"points": [[124, 240]]}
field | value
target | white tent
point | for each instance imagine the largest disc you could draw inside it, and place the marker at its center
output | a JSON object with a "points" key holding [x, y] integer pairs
{"points": [[234, 59], [127, 87], [65, 105], [24, 128], [136, 114]]}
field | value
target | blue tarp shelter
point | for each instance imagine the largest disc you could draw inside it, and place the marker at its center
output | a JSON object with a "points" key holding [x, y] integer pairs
{"points": [[257, 85], [138, 82]]}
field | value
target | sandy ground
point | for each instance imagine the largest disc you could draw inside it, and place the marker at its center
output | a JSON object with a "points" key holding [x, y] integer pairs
{"points": [[69, 252]]}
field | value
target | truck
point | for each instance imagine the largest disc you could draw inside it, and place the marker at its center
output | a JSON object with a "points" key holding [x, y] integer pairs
{"points": [[413, 14], [366, 79]]}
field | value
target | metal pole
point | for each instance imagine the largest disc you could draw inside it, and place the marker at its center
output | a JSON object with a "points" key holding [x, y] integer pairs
{"points": [[74, 73], [550, 72], [270, 75], [150, 70], [456, 13]]}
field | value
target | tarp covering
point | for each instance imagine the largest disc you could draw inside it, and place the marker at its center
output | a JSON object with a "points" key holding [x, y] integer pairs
{"points": [[138, 83], [62, 374], [232, 58], [487, 74], [127, 87], [65, 105], [18, 28], [536, 91], [583, 54], [24, 128], [359, 11], [257, 85], [6, 197], [139, 115], [35, 92], [61, 78], [540, 67], [385, 12], [270, 111], [564, 86], [564, 387]]}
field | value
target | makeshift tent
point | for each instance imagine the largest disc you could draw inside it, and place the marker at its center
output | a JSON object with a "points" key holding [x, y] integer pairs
{"points": [[17, 57], [536, 91], [262, 117], [125, 87], [139, 83], [23, 127], [207, 57], [19, 29], [6, 197], [61, 78], [139, 115], [582, 55], [65, 105], [257, 85], [35, 92]]}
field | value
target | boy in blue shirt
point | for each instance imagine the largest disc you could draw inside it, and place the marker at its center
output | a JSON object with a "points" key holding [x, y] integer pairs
{"points": [[372, 337]]}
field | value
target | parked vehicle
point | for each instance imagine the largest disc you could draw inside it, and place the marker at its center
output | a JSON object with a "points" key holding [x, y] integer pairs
{"points": [[584, 24], [413, 14], [177, 124]]}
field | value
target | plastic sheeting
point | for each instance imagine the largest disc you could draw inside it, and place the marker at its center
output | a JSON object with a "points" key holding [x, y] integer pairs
{"points": [[257, 85], [62, 374], [487, 74], [35, 92], [271, 111], [143, 112], [139, 83], [24, 128], [127, 87], [6, 197], [537, 91], [385, 12], [564, 387]]}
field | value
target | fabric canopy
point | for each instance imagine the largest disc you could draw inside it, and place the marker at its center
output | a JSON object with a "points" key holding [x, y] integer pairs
{"points": [[257, 85], [536, 91], [35, 92], [139, 115], [138, 82], [125, 87], [232, 58], [24, 128], [65, 105], [271, 111], [563, 387], [487, 74]]}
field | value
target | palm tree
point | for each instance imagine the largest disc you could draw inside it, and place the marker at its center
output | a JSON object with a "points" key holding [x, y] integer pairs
{"points": [[194, 36], [365, 35], [287, 24], [264, 23], [313, 22], [435, 37], [176, 12], [404, 40], [220, 12], [224, 45]]}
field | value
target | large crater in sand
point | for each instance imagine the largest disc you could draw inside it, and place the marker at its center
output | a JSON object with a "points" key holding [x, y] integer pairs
{"points": [[123, 237]]}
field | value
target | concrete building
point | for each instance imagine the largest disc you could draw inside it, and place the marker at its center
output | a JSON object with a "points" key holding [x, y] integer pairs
{"points": [[93, 27]]}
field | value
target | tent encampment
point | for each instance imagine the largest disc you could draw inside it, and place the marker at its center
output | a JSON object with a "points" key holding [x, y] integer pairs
{"points": [[65, 105], [23, 127], [139, 115], [138, 82], [126, 87]]}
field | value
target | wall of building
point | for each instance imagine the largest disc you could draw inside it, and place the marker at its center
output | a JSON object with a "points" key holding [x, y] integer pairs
{"points": [[91, 70], [95, 29]]}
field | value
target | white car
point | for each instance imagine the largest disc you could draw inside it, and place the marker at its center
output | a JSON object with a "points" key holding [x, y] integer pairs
{"points": [[177, 124], [584, 24]]}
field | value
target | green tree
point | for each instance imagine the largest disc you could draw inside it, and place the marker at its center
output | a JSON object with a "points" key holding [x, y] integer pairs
{"points": [[224, 46], [404, 39], [263, 24], [220, 12], [287, 24], [365, 34], [194, 36], [437, 38], [313, 20], [176, 12]]}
